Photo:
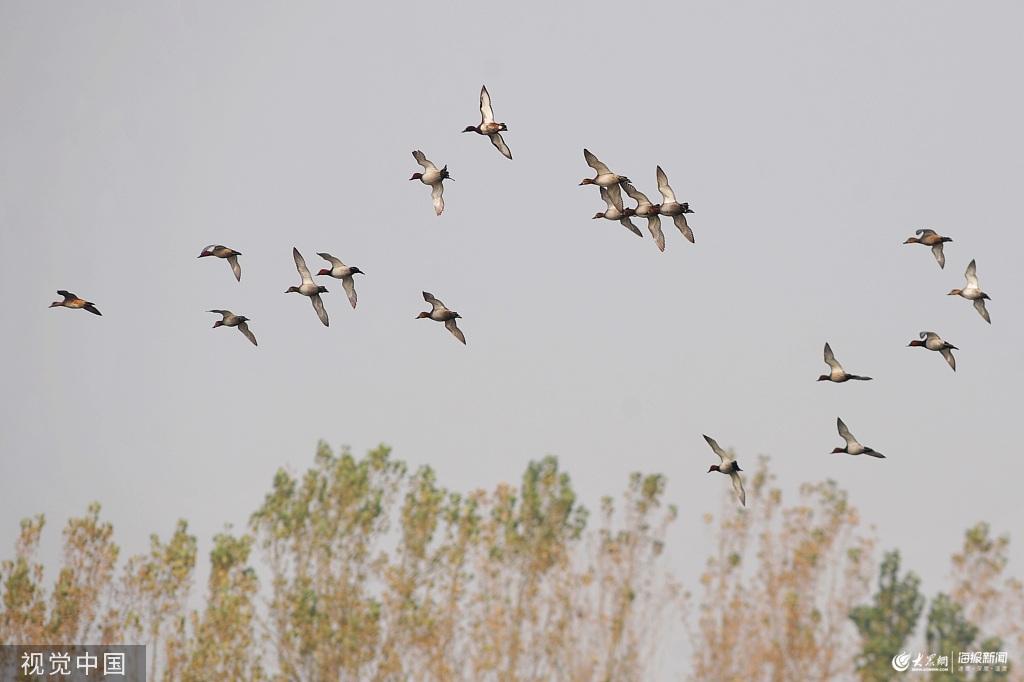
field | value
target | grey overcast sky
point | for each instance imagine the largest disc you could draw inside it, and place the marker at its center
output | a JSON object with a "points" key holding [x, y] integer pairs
{"points": [[811, 138]]}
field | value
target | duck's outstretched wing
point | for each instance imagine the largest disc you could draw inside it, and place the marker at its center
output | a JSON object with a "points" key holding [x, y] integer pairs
{"points": [[454, 329], [715, 447], [830, 358], [979, 305], [437, 196], [654, 227], [235, 267], [616, 196], [422, 160], [948, 354], [300, 265], [972, 275], [628, 224], [332, 260], [244, 328], [940, 257], [486, 113], [321, 312], [636, 195], [500, 145], [595, 163], [680, 221], [737, 485], [666, 191], [924, 233], [435, 303], [845, 432], [348, 283]]}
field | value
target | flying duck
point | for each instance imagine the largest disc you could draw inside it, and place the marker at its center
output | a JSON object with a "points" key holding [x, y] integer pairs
{"points": [[440, 313], [728, 466], [221, 251], [339, 270], [837, 373], [645, 209], [973, 292], [613, 198], [933, 239], [433, 177], [852, 446], [232, 320], [72, 301], [933, 341], [488, 126], [604, 177], [672, 208], [309, 287]]}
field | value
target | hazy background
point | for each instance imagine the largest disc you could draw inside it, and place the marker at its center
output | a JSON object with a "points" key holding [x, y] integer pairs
{"points": [[811, 139]]}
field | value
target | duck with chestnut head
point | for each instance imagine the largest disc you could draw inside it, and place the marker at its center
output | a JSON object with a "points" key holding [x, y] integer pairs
{"points": [[671, 208], [339, 270], [605, 177], [972, 292], [836, 372], [933, 239], [488, 126], [75, 303], [439, 312], [221, 251], [229, 319], [308, 287], [933, 341], [645, 209], [729, 466], [433, 177], [852, 446], [613, 199]]}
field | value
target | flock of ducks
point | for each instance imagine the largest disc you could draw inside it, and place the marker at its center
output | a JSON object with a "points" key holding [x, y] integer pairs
{"points": [[610, 185]]}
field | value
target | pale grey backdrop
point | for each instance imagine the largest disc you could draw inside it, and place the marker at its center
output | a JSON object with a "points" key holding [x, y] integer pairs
{"points": [[810, 138]]}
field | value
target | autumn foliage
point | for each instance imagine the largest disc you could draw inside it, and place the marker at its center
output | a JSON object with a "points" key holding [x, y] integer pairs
{"points": [[360, 569]]}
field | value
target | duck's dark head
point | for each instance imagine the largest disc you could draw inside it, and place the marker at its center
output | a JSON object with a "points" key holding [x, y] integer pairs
{"points": [[824, 377], [205, 253], [470, 129], [915, 342], [912, 240], [714, 467], [598, 215], [416, 176], [56, 304], [292, 290], [587, 181], [218, 323], [422, 315], [356, 271], [955, 292], [838, 450], [323, 271]]}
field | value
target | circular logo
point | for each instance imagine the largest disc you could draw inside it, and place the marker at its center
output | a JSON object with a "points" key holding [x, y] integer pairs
{"points": [[901, 661]]}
